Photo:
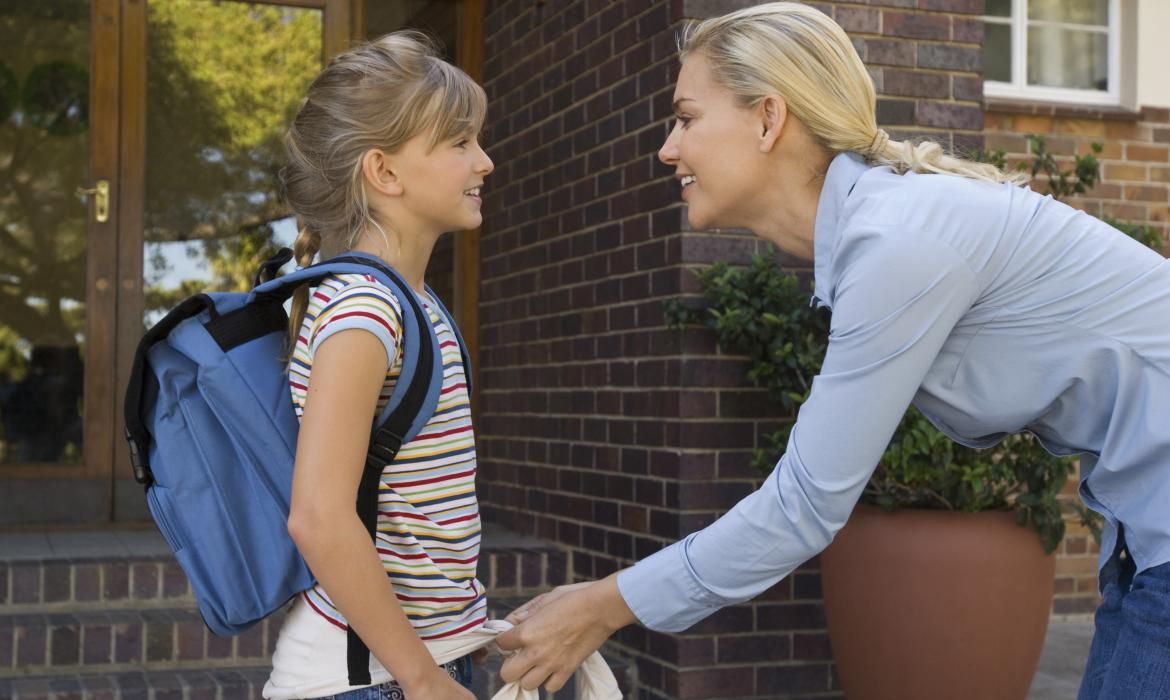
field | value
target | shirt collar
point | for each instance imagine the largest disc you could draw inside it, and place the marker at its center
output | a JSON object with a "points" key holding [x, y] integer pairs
{"points": [[844, 172]]}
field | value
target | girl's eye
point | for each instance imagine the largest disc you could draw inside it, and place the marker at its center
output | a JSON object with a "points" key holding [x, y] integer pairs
{"points": [[461, 143]]}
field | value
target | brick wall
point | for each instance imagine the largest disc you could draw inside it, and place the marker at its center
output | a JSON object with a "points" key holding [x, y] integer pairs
{"points": [[600, 428], [1135, 160]]}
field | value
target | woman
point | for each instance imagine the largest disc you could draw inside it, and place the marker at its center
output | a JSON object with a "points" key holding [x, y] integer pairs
{"points": [[994, 309]]}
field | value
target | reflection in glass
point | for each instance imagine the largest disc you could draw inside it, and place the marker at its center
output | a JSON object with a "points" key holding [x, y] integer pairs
{"points": [[1091, 12], [44, 151], [1068, 58], [997, 52], [223, 82]]}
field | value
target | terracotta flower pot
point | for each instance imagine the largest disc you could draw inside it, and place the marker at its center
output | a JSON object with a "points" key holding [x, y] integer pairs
{"points": [[934, 604]]}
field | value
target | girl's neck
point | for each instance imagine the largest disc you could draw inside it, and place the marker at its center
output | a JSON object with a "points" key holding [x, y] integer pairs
{"points": [[406, 254]]}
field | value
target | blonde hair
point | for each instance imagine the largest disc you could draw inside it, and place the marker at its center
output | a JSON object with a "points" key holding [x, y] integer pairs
{"points": [[379, 94], [801, 54]]}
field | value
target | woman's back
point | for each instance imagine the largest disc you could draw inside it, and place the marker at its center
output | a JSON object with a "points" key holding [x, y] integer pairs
{"points": [[1068, 335]]}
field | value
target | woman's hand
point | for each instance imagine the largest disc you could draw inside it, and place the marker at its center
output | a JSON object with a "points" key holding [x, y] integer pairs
{"points": [[435, 684], [559, 632], [525, 611]]}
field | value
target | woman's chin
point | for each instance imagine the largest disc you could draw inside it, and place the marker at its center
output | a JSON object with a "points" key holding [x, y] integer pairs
{"points": [[701, 222]]}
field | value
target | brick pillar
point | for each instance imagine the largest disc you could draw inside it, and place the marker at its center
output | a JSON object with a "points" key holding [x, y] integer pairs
{"points": [[600, 428]]}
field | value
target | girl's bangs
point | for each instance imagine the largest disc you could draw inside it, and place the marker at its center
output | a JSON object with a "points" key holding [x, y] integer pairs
{"points": [[458, 106]]}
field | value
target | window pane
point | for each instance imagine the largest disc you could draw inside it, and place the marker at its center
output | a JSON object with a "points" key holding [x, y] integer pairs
{"points": [[44, 155], [999, 8], [1068, 59], [223, 81], [997, 53], [1095, 12]]}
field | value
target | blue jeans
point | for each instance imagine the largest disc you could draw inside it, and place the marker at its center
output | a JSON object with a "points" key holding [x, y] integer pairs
{"points": [[1130, 655], [459, 669]]}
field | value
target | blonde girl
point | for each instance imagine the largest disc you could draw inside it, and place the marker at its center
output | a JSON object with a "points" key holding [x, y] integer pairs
{"points": [[383, 159]]}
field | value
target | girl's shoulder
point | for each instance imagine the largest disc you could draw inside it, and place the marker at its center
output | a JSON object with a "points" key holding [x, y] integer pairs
{"points": [[356, 289]]}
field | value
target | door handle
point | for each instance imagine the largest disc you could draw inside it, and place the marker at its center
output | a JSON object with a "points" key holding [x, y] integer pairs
{"points": [[101, 203]]}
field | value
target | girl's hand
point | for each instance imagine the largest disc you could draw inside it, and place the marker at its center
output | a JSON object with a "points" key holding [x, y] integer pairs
{"points": [[435, 685]]}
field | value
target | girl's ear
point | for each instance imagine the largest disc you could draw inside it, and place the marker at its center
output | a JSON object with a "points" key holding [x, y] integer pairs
{"points": [[378, 171], [771, 115]]}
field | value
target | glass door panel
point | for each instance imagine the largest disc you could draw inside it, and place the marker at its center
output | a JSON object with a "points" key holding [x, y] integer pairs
{"points": [[44, 162], [223, 81]]}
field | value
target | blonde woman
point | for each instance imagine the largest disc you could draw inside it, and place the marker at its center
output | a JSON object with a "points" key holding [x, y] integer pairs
{"points": [[993, 309]]}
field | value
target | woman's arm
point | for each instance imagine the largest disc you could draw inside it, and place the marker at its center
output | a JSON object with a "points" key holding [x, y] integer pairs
{"points": [[349, 369], [897, 299]]}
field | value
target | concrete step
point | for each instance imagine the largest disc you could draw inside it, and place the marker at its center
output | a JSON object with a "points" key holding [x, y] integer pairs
{"points": [[171, 649], [49, 584], [190, 684], [124, 640], [111, 615]]}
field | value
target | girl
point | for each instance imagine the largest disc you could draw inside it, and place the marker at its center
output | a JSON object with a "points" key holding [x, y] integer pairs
{"points": [[383, 159], [992, 308]]}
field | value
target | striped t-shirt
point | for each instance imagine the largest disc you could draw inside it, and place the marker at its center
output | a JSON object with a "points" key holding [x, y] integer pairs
{"points": [[428, 518]]}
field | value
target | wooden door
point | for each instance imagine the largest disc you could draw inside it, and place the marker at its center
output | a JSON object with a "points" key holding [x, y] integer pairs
{"points": [[58, 139]]}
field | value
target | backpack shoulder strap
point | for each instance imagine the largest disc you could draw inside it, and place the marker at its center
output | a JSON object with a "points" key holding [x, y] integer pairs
{"points": [[463, 351]]}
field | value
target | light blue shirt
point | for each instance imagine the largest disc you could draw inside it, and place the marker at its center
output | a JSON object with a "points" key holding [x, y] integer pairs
{"points": [[994, 309]]}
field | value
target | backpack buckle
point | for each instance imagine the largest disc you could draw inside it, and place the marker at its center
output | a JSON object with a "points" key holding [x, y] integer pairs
{"points": [[138, 461], [385, 445]]}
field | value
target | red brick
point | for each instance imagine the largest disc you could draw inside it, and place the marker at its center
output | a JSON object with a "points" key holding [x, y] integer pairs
{"points": [[916, 26], [949, 115]]}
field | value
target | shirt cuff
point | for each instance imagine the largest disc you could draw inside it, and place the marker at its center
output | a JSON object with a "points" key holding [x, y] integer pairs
{"points": [[663, 592]]}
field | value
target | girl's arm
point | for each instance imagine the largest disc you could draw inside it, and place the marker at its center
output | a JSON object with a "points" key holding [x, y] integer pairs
{"points": [[349, 369]]}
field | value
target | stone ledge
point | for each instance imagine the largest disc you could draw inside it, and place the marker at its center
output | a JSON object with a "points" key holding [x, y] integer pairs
{"points": [[1056, 109]]}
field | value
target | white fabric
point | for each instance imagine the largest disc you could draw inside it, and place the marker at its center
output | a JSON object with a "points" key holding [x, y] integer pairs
{"points": [[310, 661]]}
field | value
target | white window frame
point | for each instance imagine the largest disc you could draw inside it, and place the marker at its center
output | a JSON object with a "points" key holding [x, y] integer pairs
{"points": [[1019, 89]]}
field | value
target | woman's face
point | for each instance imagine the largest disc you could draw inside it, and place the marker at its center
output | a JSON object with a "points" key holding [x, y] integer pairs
{"points": [[714, 149]]}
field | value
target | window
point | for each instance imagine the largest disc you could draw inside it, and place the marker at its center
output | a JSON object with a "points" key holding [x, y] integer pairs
{"points": [[1058, 50]]}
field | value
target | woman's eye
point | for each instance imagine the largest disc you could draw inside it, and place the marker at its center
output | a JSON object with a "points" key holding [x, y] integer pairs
{"points": [[684, 121]]}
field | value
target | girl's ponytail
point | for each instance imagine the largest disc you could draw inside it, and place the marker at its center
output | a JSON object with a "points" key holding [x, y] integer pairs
{"points": [[304, 250]]}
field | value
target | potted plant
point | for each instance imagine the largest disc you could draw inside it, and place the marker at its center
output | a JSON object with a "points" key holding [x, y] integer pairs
{"points": [[943, 576]]}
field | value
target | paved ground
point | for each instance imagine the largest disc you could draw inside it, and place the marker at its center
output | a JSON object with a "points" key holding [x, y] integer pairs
{"points": [[1065, 650]]}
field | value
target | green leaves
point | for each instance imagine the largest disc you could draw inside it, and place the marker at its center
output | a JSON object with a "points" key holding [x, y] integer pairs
{"points": [[765, 314]]}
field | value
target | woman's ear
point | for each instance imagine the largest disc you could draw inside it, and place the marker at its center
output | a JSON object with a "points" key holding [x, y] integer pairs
{"points": [[771, 113], [378, 171]]}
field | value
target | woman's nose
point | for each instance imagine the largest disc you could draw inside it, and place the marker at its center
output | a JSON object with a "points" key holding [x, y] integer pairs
{"points": [[668, 154]]}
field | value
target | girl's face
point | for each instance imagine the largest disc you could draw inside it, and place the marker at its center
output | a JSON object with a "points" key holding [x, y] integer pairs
{"points": [[442, 187], [714, 149]]}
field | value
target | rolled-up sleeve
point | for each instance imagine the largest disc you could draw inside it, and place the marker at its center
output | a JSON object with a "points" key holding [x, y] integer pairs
{"points": [[895, 300]]}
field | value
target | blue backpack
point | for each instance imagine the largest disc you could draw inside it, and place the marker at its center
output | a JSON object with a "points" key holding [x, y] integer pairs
{"points": [[213, 434]]}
